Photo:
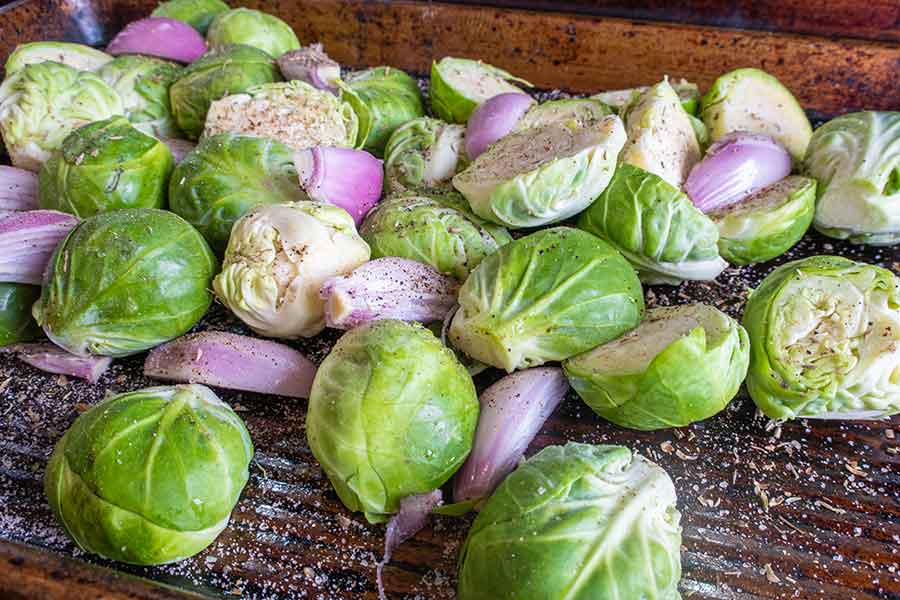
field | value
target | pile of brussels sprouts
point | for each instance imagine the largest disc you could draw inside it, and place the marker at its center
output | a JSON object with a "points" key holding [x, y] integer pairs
{"points": [[206, 154]]}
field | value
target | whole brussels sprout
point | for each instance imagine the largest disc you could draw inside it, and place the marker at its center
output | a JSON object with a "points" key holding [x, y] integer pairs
{"points": [[143, 83], [458, 85], [149, 477], [545, 297], [216, 74], [253, 28], [656, 226], [106, 165], [392, 413], [196, 13], [825, 340], [16, 322], [682, 364], [125, 281], [225, 176], [41, 104], [436, 229], [422, 154], [580, 522], [277, 259], [856, 160], [584, 111], [77, 56]]}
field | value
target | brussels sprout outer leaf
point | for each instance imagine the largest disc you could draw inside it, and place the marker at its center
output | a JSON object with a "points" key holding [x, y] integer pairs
{"points": [[196, 13], [424, 153], [16, 322], [584, 111], [458, 85], [143, 82], [77, 56], [253, 28]]}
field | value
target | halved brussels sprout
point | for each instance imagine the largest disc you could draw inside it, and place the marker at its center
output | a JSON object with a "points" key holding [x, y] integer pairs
{"points": [[422, 154], [196, 13], [216, 74], [584, 111], [77, 56], [392, 413], [754, 101], [682, 364], [579, 522], [856, 159], [106, 165], [656, 227], [825, 340], [768, 223], [143, 83], [618, 100], [252, 28], [435, 229], [458, 85], [292, 112], [544, 297], [125, 281], [149, 477], [41, 104], [225, 176], [16, 322]]}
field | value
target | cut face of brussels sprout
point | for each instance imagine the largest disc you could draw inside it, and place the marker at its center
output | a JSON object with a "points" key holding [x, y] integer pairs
{"points": [[196, 13], [542, 176], [584, 111], [143, 83], [856, 159], [149, 477], [578, 522], [545, 297], [619, 100], [825, 340], [656, 227], [768, 223], [752, 100], [422, 154], [392, 413], [16, 322], [458, 85], [77, 56], [682, 364], [252, 28]]}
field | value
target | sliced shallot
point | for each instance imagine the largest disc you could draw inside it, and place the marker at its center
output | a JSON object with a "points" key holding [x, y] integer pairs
{"points": [[413, 516], [493, 119], [348, 178], [27, 241], [53, 359], [18, 189], [161, 37]]}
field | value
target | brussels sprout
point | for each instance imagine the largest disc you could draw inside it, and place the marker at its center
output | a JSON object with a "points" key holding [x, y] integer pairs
{"points": [[424, 153], [16, 322], [106, 165], [542, 176], [682, 364], [584, 111], [700, 131], [291, 112], [458, 85], [125, 281], [856, 159], [230, 70], [149, 477], [825, 340], [196, 13], [252, 28], [434, 229], [544, 297], [41, 104], [656, 227], [688, 93], [384, 98], [768, 223], [225, 176], [77, 56], [277, 259], [579, 522], [143, 83], [752, 100], [392, 413]]}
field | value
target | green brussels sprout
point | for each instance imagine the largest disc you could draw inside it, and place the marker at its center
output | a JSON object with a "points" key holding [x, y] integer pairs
{"points": [[825, 340], [16, 322], [196, 13], [856, 160], [540, 176], [392, 413], [125, 281], [618, 100], [584, 111], [143, 83], [384, 98], [656, 226], [252, 28], [106, 165], [546, 297], [682, 364], [579, 522], [700, 131], [149, 477], [41, 104], [216, 74], [77, 56], [768, 223], [438, 230], [422, 154], [225, 176], [458, 85]]}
